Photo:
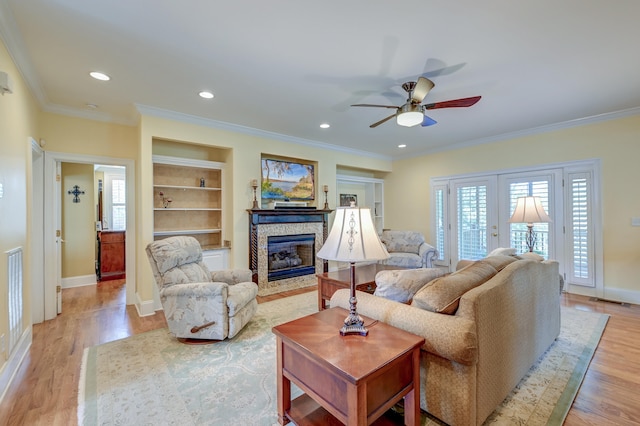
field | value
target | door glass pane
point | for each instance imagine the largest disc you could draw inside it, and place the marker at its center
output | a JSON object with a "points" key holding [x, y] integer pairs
{"points": [[518, 231], [440, 223], [472, 222]]}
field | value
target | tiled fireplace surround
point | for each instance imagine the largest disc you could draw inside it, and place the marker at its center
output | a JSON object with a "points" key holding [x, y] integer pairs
{"points": [[266, 223]]}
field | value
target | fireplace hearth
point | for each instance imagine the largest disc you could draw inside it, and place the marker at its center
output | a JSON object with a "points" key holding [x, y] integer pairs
{"points": [[283, 244]]}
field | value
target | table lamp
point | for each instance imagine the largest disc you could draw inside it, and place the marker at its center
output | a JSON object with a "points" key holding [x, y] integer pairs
{"points": [[353, 238], [529, 210]]}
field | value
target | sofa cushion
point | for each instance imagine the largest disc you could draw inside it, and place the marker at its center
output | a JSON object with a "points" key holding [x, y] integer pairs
{"points": [[530, 256], [443, 294], [400, 285]]}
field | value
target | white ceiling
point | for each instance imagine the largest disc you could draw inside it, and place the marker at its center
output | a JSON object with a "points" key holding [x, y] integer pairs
{"points": [[286, 66]]}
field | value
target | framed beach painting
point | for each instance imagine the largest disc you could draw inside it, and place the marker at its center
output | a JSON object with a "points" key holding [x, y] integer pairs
{"points": [[287, 180]]}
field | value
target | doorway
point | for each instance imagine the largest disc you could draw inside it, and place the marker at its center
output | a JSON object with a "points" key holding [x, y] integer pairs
{"points": [[53, 240]]}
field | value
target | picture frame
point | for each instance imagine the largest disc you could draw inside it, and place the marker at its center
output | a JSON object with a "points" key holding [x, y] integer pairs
{"points": [[287, 180], [345, 199]]}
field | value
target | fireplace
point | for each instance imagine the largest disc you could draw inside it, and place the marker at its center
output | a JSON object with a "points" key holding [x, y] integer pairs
{"points": [[282, 248], [291, 256]]}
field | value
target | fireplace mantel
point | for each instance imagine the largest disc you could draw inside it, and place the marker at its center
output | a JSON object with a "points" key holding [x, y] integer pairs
{"points": [[258, 217]]}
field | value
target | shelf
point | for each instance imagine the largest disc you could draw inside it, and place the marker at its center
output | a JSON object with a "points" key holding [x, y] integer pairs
{"points": [[191, 209], [197, 188], [172, 232]]}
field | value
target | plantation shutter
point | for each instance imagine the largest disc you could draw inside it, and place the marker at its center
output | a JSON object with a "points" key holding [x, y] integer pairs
{"points": [[472, 221], [441, 223], [580, 230]]}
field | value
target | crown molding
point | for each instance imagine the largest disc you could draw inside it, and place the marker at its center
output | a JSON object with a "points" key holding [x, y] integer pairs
{"points": [[207, 122], [529, 132]]}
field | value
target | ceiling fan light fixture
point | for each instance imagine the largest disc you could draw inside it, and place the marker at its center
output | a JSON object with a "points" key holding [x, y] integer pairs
{"points": [[409, 115]]}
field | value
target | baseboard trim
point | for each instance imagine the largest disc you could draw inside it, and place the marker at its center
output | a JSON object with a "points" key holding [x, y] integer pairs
{"points": [[144, 307], [622, 295], [79, 281], [10, 368]]}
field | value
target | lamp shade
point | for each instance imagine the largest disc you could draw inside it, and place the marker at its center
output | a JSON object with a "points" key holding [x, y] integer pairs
{"points": [[353, 238], [529, 210]]}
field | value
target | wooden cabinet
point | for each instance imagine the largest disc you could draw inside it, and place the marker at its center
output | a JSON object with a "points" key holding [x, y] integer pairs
{"points": [[187, 200], [111, 255]]}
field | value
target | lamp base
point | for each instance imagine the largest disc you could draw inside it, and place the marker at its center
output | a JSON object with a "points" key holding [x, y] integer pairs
{"points": [[353, 324]]}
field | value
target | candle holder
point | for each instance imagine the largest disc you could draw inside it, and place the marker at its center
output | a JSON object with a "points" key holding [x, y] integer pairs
{"points": [[325, 188], [254, 185]]}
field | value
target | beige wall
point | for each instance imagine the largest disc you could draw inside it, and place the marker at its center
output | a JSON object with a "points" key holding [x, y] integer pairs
{"points": [[78, 221], [19, 121], [243, 164], [615, 142]]}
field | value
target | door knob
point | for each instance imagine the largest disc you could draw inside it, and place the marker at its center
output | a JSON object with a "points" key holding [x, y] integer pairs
{"points": [[495, 234]]}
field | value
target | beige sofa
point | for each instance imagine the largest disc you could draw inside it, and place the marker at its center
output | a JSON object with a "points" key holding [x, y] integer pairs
{"points": [[505, 315]]}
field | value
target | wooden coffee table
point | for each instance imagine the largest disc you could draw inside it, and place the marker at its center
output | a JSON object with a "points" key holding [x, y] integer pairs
{"points": [[330, 282], [351, 380]]}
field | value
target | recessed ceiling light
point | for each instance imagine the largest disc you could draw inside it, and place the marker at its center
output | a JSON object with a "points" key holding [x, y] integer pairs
{"points": [[99, 76], [325, 125], [402, 145], [206, 95]]}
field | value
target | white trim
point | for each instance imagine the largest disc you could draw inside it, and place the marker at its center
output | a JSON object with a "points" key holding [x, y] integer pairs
{"points": [[11, 367], [79, 281], [51, 157], [622, 295], [188, 162], [145, 308]]}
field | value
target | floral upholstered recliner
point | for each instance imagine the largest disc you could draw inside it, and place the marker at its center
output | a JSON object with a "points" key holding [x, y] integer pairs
{"points": [[408, 249], [197, 303]]}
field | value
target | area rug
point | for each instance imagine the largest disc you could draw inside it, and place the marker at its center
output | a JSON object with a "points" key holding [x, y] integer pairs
{"points": [[152, 379]]}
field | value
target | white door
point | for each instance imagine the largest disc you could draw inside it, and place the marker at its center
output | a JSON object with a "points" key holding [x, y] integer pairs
{"points": [[57, 212], [475, 224], [37, 234]]}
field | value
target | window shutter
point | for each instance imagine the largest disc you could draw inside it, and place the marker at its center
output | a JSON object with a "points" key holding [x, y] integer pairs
{"points": [[441, 220], [580, 230], [472, 221]]}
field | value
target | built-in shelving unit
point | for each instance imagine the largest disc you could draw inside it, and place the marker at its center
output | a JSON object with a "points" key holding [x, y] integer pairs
{"points": [[370, 193], [187, 200]]}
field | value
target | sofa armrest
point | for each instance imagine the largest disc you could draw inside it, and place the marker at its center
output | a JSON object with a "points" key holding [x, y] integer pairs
{"points": [[205, 289], [447, 336], [428, 253], [231, 276]]}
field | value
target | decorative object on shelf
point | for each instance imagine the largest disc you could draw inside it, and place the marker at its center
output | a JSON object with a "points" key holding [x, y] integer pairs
{"points": [[202, 182], [254, 185], [165, 200], [286, 180], [353, 238], [325, 189], [347, 199], [76, 192], [529, 210]]}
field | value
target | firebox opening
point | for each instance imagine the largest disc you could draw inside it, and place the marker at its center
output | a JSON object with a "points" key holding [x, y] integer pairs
{"points": [[291, 256]]}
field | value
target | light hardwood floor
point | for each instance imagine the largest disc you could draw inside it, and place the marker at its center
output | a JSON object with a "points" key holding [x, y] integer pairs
{"points": [[45, 389]]}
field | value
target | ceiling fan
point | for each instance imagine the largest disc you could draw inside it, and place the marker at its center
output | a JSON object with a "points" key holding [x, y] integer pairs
{"points": [[412, 112]]}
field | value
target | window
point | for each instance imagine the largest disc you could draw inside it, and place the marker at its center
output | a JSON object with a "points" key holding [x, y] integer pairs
{"points": [[114, 214]]}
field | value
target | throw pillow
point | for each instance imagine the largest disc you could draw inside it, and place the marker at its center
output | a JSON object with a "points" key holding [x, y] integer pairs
{"points": [[503, 251], [499, 262], [401, 285], [531, 256], [443, 294]]}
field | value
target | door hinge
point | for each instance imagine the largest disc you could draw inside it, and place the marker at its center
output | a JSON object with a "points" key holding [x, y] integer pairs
{"points": [[58, 233], [57, 178], [58, 289]]}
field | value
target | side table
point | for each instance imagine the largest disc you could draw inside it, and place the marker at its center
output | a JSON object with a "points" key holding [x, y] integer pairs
{"points": [[349, 379]]}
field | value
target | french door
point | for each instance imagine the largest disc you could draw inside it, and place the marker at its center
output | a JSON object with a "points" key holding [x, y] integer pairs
{"points": [[471, 218]]}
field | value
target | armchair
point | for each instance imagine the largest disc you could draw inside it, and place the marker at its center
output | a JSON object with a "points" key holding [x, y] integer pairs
{"points": [[199, 304], [408, 249]]}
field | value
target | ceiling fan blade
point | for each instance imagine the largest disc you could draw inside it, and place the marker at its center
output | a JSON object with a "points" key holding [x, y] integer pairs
{"points": [[375, 106], [428, 121], [456, 103], [384, 120], [423, 86]]}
